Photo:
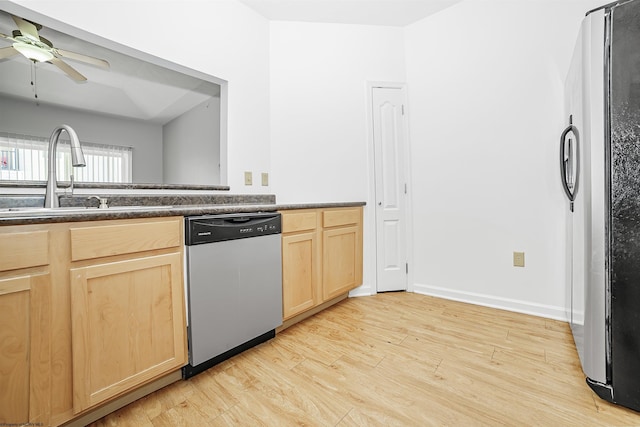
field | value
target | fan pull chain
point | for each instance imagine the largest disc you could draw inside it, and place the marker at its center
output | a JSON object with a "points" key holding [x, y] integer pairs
{"points": [[34, 82]]}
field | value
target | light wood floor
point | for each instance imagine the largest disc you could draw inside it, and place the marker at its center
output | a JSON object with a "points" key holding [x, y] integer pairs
{"points": [[392, 359]]}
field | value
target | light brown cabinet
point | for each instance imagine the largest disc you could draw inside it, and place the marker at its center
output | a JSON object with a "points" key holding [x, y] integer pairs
{"points": [[127, 306], [301, 264], [341, 251], [321, 257], [89, 311], [24, 288]]}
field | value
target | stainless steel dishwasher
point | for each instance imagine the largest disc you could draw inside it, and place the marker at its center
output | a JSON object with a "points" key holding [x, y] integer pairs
{"points": [[234, 285]]}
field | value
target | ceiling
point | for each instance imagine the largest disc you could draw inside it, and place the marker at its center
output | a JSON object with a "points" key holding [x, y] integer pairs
{"points": [[141, 90], [130, 88], [396, 13]]}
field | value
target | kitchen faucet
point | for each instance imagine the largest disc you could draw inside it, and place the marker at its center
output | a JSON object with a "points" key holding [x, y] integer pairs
{"points": [[77, 159]]}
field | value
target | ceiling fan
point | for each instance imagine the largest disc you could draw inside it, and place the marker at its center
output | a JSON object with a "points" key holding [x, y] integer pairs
{"points": [[30, 44]]}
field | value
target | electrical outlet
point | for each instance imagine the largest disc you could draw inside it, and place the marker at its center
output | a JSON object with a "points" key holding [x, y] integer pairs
{"points": [[265, 179], [248, 178], [518, 259]]}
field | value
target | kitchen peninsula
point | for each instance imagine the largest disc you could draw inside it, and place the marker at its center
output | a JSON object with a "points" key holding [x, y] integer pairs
{"points": [[93, 299]]}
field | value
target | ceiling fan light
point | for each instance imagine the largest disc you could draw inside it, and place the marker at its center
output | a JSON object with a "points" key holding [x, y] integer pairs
{"points": [[34, 53]]}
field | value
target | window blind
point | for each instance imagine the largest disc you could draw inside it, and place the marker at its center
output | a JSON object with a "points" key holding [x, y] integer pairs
{"points": [[24, 158]]}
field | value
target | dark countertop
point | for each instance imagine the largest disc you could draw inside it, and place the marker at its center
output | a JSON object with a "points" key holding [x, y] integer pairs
{"points": [[77, 200], [75, 214]]}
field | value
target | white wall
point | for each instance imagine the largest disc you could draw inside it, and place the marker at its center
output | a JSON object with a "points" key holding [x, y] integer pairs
{"points": [[319, 134], [486, 111], [233, 44], [27, 118], [191, 145], [318, 105]]}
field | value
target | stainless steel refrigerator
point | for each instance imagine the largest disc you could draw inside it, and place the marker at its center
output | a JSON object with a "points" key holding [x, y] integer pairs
{"points": [[600, 170]]}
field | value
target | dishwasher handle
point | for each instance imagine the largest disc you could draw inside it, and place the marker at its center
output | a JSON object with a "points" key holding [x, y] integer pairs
{"points": [[240, 219]]}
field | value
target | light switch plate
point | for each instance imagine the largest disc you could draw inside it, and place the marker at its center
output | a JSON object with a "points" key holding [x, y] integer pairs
{"points": [[518, 259], [248, 178], [265, 179]]}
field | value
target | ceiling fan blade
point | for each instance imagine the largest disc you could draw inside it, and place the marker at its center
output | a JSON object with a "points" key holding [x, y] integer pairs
{"points": [[26, 28], [7, 52], [4, 36], [71, 72], [83, 58]]}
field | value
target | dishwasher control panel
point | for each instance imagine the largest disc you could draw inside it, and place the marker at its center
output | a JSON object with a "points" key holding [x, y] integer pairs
{"points": [[218, 228]]}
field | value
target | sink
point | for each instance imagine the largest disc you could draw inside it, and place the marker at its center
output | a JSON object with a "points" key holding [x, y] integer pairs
{"points": [[25, 211], [132, 208], [43, 210]]}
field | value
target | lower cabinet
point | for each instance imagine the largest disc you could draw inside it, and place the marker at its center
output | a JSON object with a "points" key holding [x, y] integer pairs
{"points": [[127, 306], [300, 273], [321, 256], [23, 345], [341, 260], [25, 286], [127, 326], [89, 311]]}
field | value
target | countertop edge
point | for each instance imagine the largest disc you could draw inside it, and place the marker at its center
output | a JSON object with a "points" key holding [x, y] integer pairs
{"points": [[284, 207], [155, 212]]}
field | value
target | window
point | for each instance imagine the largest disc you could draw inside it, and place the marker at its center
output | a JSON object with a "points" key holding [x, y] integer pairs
{"points": [[24, 158], [8, 160]]}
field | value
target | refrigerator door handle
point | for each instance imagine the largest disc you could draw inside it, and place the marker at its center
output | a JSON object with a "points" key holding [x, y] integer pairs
{"points": [[569, 161]]}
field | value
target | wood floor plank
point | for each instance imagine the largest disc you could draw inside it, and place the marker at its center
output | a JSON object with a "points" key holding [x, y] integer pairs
{"points": [[275, 352], [479, 389], [355, 383], [358, 342], [289, 390], [439, 408], [308, 345], [394, 359], [210, 401]]}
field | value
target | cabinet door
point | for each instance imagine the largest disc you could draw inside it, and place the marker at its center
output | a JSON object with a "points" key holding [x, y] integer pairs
{"points": [[341, 260], [128, 325], [300, 271], [23, 346]]}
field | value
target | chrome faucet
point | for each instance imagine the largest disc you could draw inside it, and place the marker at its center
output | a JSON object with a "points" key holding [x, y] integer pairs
{"points": [[77, 159]]}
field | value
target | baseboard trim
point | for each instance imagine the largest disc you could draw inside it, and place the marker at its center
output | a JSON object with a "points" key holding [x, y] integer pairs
{"points": [[362, 291], [518, 306]]}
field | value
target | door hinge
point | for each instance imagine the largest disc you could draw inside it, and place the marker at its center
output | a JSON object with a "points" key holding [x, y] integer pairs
{"points": [[403, 109], [406, 267], [405, 188]]}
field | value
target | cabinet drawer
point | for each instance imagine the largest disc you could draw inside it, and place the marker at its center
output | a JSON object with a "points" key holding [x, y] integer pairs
{"points": [[118, 239], [298, 221], [334, 218], [22, 250]]}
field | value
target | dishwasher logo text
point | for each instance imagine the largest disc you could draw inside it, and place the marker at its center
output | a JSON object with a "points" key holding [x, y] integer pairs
{"points": [[246, 230], [206, 233]]}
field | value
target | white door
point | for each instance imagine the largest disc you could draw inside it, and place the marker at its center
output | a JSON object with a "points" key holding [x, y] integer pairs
{"points": [[390, 192]]}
